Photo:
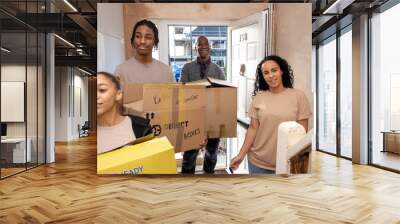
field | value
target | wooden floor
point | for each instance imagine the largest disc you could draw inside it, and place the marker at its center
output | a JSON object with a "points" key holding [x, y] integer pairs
{"points": [[386, 159], [69, 191]]}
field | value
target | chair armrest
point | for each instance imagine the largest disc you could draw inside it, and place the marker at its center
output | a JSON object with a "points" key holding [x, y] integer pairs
{"points": [[302, 144]]}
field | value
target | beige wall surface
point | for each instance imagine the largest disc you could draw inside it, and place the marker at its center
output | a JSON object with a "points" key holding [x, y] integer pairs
{"points": [[195, 12], [293, 41]]}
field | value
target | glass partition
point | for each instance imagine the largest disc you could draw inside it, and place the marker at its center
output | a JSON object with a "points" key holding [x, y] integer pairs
{"points": [[22, 88], [327, 96]]}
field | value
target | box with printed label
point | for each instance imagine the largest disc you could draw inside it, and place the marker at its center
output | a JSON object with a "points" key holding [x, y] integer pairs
{"points": [[155, 156], [175, 111]]}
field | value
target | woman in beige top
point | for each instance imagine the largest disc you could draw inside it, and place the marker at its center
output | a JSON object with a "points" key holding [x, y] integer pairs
{"points": [[113, 128], [275, 101]]}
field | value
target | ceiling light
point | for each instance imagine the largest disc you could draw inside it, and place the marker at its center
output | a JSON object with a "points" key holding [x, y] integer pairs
{"points": [[5, 50], [86, 72], [70, 5], [337, 7], [65, 41]]}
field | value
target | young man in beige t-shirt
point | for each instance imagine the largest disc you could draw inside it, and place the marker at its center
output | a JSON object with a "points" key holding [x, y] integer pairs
{"points": [[275, 102], [142, 67]]}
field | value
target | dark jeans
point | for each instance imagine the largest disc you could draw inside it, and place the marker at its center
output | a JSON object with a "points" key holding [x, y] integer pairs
{"points": [[210, 158]]}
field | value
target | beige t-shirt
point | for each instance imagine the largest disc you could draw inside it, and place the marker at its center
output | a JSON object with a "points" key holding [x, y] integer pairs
{"points": [[134, 71], [271, 109], [109, 138]]}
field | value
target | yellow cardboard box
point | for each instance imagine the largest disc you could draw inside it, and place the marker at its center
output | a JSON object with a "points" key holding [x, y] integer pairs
{"points": [[155, 156]]}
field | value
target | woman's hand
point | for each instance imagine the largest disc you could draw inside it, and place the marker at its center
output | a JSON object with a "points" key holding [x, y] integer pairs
{"points": [[236, 161]]}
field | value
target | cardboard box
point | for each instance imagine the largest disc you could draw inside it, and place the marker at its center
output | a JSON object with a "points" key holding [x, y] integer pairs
{"points": [[132, 92], [175, 110], [155, 156], [221, 107]]}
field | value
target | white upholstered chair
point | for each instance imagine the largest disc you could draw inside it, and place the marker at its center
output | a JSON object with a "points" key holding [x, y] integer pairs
{"points": [[293, 149]]}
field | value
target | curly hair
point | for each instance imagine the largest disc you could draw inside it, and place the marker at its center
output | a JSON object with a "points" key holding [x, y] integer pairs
{"points": [[149, 24], [287, 74]]}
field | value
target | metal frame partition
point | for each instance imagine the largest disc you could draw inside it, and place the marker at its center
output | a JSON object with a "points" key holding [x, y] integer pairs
{"points": [[40, 42]]}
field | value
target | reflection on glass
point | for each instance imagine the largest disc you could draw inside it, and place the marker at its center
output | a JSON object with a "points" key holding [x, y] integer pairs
{"points": [[345, 94], [22, 91], [182, 45], [327, 97], [385, 85], [13, 84]]}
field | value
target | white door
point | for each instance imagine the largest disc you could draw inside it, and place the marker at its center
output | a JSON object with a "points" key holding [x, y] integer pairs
{"points": [[247, 47], [247, 50]]}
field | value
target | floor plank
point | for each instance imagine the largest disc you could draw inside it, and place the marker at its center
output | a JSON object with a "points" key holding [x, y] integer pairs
{"points": [[70, 191]]}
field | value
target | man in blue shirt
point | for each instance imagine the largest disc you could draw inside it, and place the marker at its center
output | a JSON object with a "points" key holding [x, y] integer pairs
{"points": [[201, 68]]}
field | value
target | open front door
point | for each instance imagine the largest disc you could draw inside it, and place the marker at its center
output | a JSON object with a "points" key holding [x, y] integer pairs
{"points": [[248, 43], [248, 46]]}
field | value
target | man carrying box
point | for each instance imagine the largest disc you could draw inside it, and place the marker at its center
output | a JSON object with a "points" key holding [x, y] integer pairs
{"points": [[193, 71]]}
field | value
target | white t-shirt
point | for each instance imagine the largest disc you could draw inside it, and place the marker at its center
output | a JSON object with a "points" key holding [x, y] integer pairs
{"points": [[109, 138]]}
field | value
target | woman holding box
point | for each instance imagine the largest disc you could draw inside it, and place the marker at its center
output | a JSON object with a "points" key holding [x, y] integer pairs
{"points": [[274, 102], [114, 129]]}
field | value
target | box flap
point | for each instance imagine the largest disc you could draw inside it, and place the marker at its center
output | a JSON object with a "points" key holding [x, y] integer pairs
{"points": [[137, 106], [202, 82], [132, 92], [220, 83]]}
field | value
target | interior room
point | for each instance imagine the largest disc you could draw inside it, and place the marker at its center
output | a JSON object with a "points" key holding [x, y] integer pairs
{"points": [[49, 59], [261, 23]]}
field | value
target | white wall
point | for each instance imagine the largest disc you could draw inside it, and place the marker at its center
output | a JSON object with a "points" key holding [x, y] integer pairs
{"points": [[15, 73], [110, 36], [33, 126], [67, 115], [61, 103]]}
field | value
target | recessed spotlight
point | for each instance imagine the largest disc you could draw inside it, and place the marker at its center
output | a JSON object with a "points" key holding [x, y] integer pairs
{"points": [[70, 5], [5, 50], [64, 40]]}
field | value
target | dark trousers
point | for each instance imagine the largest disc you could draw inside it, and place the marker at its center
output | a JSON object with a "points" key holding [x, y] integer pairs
{"points": [[210, 158]]}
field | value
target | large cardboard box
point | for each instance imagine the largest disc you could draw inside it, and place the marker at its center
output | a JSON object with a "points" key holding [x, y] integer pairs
{"points": [[221, 107], [175, 110], [155, 156]]}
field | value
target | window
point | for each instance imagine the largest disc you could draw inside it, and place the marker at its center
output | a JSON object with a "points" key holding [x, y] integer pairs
{"points": [[182, 45], [346, 93], [385, 86], [334, 96], [327, 96]]}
